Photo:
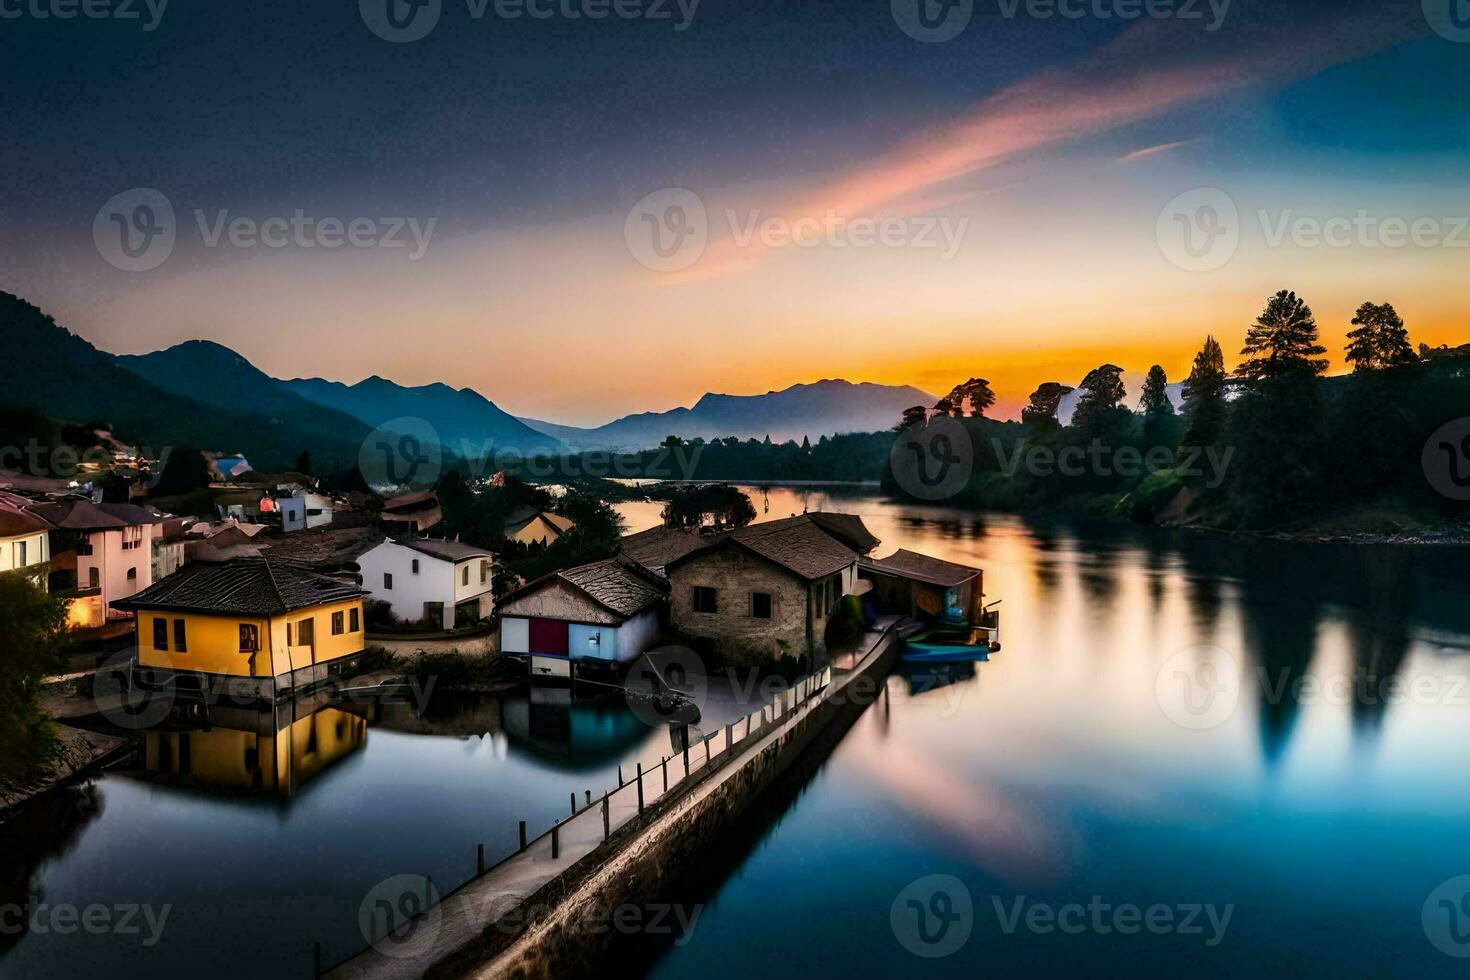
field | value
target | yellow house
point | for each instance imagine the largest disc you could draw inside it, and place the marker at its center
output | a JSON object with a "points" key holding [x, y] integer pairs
{"points": [[252, 628]]}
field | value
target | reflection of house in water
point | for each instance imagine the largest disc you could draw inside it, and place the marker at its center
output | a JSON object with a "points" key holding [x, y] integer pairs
{"points": [[570, 733], [247, 750]]}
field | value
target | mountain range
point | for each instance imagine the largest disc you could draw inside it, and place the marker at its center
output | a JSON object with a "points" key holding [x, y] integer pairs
{"points": [[812, 410]]}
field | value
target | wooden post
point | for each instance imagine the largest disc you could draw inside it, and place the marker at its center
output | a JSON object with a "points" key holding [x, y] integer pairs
{"points": [[640, 787], [523, 835], [686, 758], [664, 765], [620, 775], [606, 819], [574, 804], [730, 737], [479, 860], [589, 797], [556, 840], [708, 759]]}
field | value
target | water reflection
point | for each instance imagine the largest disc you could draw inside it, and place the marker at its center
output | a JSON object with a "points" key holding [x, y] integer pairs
{"points": [[43, 831]]}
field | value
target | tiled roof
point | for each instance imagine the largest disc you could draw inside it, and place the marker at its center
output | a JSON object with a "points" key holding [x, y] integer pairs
{"points": [[80, 514], [922, 568], [847, 528], [619, 585], [15, 521], [797, 544], [243, 587], [658, 546], [447, 550], [327, 547]]}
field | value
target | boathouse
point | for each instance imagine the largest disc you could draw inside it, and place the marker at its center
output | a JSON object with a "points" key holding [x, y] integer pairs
{"points": [[914, 584]]}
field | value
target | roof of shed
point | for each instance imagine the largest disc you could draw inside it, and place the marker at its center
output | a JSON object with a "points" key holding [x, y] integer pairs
{"points": [[921, 568]]}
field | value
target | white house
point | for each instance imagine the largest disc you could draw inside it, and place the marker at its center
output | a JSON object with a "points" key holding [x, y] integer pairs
{"points": [[24, 539], [602, 614], [440, 583], [114, 553], [303, 509]]}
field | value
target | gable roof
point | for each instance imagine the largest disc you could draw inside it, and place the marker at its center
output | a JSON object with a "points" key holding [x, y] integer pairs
{"points": [[526, 515], [797, 544], [80, 514], [847, 528], [242, 587], [16, 520], [326, 548], [450, 551], [921, 568], [619, 585], [658, 546]]}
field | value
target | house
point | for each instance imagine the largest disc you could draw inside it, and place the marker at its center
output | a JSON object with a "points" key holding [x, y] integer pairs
{"points": [[254, 628], [603, 614], [169, 547], [767, 589], [224, 541], [528, 525], [443, 584], [910, 583], [411, 513], [24, 539], [656, 547], [113, 548]]}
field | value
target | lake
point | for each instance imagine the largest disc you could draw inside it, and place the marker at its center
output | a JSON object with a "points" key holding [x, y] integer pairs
{"points": [[1264, 732]]}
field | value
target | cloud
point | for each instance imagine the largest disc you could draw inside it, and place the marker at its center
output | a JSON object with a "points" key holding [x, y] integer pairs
{"points": [[1149, 151]]}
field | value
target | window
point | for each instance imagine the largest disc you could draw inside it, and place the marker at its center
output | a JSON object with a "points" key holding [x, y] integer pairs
{"points": [[352, 624], [20, 554], [704, 599], [415, 566], [760, 605], [93, 578], [85, 548], [484, 572], [464, 575], [388, 579], [132, 575], [160, 633], [179, 642], [250, 638], [337, 623], [306, 633]]}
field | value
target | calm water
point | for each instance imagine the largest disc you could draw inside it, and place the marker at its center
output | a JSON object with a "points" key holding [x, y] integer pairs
{"points": [[1051, 774]]}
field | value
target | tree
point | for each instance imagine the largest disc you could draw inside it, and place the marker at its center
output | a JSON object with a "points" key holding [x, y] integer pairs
{"points": [[1282, 341], [975, 393], [1104, 392], [32, 637], [945, 407], [672, 442], [1041, 412], [1381, 341], [806, 444], [303, 462], [1160, 425], [717, 504], [1204, 396], [912, 417]]}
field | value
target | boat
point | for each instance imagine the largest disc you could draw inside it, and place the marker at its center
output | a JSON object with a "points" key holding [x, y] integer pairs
{"points": [[954, 641]]}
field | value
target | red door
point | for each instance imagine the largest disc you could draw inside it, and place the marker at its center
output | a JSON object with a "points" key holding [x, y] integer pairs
{"points": [[549, 636]]}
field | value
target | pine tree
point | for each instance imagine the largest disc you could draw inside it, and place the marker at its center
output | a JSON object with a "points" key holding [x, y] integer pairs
{"points": [[1155, 401], [1381, 341], [976, 393], [912, 417], [1204, 396], [1282, 341], [1041, 412], [1104, 391]]}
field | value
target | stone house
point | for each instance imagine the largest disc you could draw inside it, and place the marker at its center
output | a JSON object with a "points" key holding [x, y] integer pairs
{"points": [[767, 589]]}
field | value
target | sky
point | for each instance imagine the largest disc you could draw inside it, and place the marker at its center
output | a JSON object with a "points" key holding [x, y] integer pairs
{"points": [[585, 216]]}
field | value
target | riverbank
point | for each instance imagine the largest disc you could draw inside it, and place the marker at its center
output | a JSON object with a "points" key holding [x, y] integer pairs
{"points": [[78, 751]]}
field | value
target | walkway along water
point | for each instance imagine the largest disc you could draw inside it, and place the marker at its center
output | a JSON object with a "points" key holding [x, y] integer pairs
{"points": [[529, 915]]}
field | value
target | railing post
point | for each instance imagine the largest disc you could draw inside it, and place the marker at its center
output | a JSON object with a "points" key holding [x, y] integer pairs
{"points": [[556, 840], [686, 757], [479, 860], [664, 765], [523, 835], [606, 819], [574, 804], [589, 796], [708, 759], [620, 775], [730, 737], [640, 787]]}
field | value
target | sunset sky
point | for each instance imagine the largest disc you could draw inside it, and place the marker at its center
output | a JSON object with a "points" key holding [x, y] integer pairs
{"points": [[1054, 144]]}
